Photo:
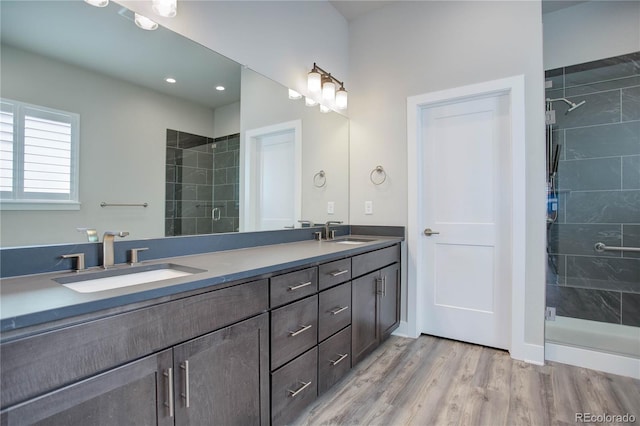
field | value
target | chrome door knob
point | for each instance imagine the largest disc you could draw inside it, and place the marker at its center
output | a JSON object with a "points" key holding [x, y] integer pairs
{"points": [[428, 232]]}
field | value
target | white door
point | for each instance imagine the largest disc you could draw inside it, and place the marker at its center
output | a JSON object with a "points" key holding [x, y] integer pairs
{"points": [[466, 204], [275, 174], [272, 174]]}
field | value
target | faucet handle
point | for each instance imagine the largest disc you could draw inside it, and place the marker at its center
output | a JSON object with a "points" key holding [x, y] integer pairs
{"points": [[92, 234], [80, 262], [134, 255]]}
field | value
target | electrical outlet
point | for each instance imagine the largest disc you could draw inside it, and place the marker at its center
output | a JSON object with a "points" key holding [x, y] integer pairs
{"points": [[550, 313], [331, 207], [368, 207]]}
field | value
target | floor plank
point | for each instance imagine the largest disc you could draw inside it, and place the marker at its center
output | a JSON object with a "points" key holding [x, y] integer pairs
{"points": [[434, 381]]}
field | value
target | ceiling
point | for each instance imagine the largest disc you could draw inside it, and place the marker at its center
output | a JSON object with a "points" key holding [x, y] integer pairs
{"points": [[352, 9]]}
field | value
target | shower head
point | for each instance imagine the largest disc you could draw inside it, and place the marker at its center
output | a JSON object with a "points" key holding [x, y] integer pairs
{"points": [[574, 105]]}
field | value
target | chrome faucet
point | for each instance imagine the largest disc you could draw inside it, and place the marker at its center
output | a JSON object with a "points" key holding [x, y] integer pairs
{"points": [[328, 234], [107, 246]]}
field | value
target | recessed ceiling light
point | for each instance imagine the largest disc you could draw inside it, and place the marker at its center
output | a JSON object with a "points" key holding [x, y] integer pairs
{"points": [[144, 22], [170, 80], [220, 88], [98, 3]]}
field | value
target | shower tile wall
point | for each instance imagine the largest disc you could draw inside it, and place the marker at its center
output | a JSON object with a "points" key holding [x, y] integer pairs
{"points": [[201, 184], [599, 186]]}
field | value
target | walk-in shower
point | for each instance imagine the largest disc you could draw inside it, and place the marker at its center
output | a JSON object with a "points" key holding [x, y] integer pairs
{"points": [[593, 210]]}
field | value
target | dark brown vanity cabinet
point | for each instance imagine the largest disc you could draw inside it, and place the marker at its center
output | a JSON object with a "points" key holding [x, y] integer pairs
{"points": [[376, 299]]}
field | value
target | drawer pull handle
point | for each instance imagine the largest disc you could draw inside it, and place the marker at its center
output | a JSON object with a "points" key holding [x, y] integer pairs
{"points": [[304, 328], [342, 357], [293, 394], [168, 373], [338, 310], [338, 273], [295, 287], [185, 394]]}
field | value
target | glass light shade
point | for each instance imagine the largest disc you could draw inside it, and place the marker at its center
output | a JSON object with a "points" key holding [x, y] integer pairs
{"points": [[341, 98], [310, 101], [329, 91], [144, 22], [314, 82], [294, 95], [324, 109], [166, 8], [97, 3]]}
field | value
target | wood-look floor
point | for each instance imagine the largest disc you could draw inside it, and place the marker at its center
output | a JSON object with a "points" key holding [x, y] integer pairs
{"points": [[433, 381]]}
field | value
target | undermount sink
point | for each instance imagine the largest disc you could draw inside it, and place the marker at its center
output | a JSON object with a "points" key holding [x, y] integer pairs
{"points": [[118, 278], [352, 241]]}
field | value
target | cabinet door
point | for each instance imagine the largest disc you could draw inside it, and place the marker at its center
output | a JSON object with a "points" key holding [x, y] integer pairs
{"points": [[364, 325], [389, 301], [134, 394], [222, 378]]}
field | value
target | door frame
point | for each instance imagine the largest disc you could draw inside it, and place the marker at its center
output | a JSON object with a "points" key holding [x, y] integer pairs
{"points": [[248, 154], [514, 87]]}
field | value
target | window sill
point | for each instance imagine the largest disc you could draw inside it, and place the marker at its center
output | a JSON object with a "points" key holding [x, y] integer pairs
{"points": [[39, 205]]}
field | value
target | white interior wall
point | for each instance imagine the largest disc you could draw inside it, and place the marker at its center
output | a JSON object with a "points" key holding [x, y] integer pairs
{"points": [[591, 31], [226, 120], [411, 48], [279, 39], [122, 148]]}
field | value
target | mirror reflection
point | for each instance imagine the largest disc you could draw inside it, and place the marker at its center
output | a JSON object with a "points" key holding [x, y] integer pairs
{"points": [[202, 160]]}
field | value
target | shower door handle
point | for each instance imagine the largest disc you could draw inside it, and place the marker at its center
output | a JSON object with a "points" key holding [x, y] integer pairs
{"points": [[216, 213], [428, 232]]}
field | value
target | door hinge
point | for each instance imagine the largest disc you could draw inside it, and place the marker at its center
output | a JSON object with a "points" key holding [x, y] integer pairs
{"points": [[550, 314]]}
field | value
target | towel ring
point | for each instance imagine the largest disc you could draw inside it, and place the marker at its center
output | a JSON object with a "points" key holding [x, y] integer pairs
{"points": [[380, 171], [320, 179]]}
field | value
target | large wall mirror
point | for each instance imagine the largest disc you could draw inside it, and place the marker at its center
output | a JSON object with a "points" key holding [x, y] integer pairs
{"points": [[246, 158]]}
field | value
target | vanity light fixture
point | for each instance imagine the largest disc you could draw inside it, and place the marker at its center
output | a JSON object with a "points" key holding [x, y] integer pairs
{"points": [[320, 81], [98, 3], [170, 80], [310, 101], [294, 95], [144, 22], [166, 8]]}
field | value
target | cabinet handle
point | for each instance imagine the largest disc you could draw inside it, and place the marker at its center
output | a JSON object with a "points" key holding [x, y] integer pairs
{"points": [[185, 394], [293, 394], [338, 310], [379, 286], [168, 373], [342, 357], [384, 285], [295, 287], [304, 328], [338, 273]]}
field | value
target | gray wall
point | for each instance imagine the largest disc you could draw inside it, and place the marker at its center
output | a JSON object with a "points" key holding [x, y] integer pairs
{"points": [[122, 148], [599, 185]]}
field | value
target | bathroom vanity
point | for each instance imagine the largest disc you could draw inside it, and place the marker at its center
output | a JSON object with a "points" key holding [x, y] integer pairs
{"points": [[252, 340]]}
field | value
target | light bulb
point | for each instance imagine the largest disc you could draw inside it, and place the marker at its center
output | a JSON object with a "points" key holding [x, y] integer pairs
{"points": [[328, 90], [310, 101], [324, 109], [166, 8], [314, 81], [144, 22], [341, 98]]}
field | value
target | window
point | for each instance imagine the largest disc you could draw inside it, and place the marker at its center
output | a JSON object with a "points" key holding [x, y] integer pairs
{"points": [[38, 157]]}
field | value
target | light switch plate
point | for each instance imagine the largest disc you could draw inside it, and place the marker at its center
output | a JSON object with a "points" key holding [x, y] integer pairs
{"points": [[331, 207], [368, 207]]}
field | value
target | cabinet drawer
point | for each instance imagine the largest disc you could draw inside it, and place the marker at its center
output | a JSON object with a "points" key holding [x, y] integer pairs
{"points": [[334, 359], [40, 363], [332, 273], [293, 286], [294, 329], [334, 310], [293, 387], [365, 263]]}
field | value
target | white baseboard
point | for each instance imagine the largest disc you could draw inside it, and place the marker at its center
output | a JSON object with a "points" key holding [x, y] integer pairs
{"points": [[402, 330], [601, 361]]}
